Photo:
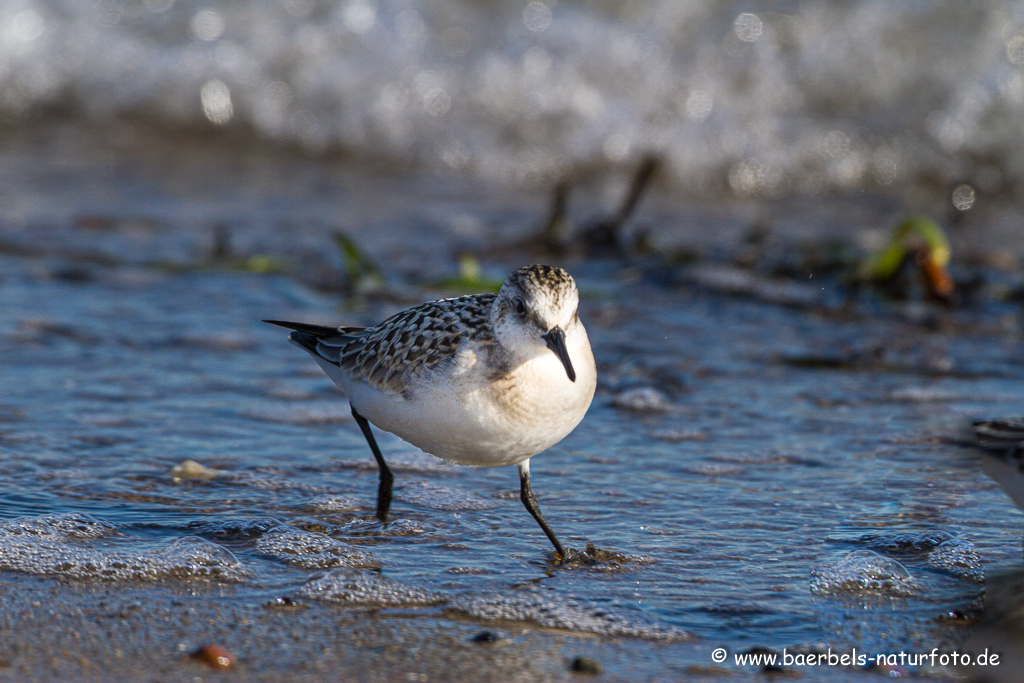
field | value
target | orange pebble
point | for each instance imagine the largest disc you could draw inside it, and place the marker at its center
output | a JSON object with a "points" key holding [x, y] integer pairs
{"points": [[215, 656]]}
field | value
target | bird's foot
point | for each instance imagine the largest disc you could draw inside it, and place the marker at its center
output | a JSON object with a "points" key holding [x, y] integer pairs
{"points": [[589, 557]]}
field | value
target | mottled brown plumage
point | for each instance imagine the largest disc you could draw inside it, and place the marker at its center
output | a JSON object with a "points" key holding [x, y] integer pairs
{"points": [[390, 354]]}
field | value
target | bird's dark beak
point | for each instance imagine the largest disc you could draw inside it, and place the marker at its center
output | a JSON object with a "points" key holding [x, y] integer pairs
{"points": [[555, 339]]}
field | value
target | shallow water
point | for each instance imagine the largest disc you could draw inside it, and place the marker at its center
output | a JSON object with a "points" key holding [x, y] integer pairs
{"points": [[781, 464], [746, 484]]}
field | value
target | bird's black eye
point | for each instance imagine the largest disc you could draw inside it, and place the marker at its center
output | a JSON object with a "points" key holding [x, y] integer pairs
{"points": [[520, 307]]}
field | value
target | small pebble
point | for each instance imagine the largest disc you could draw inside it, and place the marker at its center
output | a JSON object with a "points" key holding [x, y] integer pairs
{"points": [[190, 469], [285, 602], [585, 665], [485, 637], [955, 615], [214, 656]]}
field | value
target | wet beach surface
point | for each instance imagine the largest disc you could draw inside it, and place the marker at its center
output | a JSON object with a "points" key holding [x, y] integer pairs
{"points": [[761, 454]]}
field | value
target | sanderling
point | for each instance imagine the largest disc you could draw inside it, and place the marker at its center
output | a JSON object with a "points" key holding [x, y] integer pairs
{"points": [[486, 379], [1003, 460]]}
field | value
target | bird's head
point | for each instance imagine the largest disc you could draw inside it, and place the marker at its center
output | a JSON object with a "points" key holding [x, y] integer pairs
{"points": [[536, 308]]}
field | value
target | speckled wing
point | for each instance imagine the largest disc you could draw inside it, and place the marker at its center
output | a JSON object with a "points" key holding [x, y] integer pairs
{"points": [[390, 355]]}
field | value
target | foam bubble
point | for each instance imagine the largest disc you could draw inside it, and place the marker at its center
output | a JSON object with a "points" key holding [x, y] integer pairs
{"points": [[311, 549], [564, 613], [959, 558], [942, 551], [59, 544], [195, 557], [860, 572], [78, 525], [359, 587]]}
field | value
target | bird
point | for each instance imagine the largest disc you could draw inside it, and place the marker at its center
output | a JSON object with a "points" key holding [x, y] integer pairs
{"points": [[485, 379], [1002, 625], [1002, 441]]}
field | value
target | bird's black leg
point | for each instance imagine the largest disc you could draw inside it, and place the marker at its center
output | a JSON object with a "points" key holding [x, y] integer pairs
{"points": [[526, 495], [386, 478]]}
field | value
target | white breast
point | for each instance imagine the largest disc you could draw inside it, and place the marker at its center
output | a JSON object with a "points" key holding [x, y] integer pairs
{"points": [[466, 419]]}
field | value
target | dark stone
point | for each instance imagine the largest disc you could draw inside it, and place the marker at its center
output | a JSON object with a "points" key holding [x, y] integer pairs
{"points": [[585, 665]]}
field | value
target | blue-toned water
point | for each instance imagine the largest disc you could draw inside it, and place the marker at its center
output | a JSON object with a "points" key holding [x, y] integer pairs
{"points": [[727, 470], [779, 457]]}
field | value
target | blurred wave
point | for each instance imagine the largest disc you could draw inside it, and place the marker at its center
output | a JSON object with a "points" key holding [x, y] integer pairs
{"points": [[793, 99]]}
